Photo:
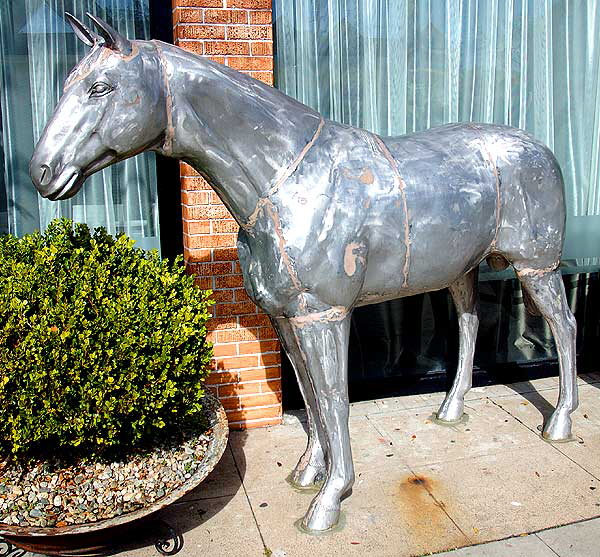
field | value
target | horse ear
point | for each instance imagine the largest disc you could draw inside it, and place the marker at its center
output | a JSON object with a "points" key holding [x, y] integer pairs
{"points": [[112, 38], [85, 34]]}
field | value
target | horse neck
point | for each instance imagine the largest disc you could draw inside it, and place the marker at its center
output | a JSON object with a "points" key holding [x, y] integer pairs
{"points": [[237, 132]]}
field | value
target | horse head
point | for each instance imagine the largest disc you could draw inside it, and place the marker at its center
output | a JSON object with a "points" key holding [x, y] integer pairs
{"points": [[112, 108]]}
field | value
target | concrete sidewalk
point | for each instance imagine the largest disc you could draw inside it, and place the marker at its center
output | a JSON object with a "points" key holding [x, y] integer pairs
{"points": [[421, 488]]}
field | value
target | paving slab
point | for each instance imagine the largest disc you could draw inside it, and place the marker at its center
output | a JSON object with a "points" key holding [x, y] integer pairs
{"points": [[222, 526], [528, 546], [266, 456], [363, 408], [585, 447], [419, 440], [387, 515], [421, 488], [223, 481], [509, 493], [574, 540], [588, 378]]}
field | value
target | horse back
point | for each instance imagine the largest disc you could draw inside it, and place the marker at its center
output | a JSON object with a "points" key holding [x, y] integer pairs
{"points": [[364, 218]]}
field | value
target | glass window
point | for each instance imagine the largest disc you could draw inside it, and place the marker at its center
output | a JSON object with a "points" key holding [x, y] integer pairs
{"points": [[399, 66], [37, 51], [395, 67]]}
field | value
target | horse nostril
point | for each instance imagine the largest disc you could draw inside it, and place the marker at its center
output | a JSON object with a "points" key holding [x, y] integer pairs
{"points": [[45, 175]]}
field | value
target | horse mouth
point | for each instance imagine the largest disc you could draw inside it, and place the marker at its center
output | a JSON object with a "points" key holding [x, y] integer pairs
{"points": [[66, 189]]}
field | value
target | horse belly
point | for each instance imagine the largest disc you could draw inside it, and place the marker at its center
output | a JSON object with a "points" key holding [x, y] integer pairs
{"points": [[451, 204], [454, 239]]}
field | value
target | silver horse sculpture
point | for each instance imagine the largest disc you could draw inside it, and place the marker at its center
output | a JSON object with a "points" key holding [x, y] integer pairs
{"points": [[331, 217]]}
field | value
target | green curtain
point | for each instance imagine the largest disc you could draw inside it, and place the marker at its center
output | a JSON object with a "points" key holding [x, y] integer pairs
{"points": [[37, 51], [398, 66]]}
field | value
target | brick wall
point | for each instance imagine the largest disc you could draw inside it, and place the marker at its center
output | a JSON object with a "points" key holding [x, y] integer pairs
{"points": [[247, 371]]}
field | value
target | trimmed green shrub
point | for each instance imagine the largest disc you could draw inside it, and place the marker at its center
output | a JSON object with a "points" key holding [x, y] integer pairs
{"points": [[102, 345]]}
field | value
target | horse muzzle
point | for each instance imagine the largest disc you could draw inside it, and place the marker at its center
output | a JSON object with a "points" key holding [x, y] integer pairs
{"points": [[52, 186]]}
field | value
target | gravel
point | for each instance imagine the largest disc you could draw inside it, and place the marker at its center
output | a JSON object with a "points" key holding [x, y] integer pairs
{"points": [[87, 492]]}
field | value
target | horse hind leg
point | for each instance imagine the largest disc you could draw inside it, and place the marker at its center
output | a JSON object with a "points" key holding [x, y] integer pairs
{"points": [[464, 294], [498, 262], [547, 291]]}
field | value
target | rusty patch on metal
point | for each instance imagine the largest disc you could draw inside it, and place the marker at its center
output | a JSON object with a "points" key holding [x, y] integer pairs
{"points": [[496, 173], [296, 162], [365, 177], [134, 52], [335, 313], [528, 272], [251, 221], [270, 208], [135, 101], [263, 201], [352, 256], [83, 70], [497, 262]]}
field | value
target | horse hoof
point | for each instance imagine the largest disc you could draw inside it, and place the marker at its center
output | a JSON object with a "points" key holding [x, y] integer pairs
{"points": [[309, 477], [558, 427], [319, 519], [451, 411]]}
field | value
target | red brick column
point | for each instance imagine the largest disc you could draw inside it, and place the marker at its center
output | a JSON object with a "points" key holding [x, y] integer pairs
{"points": [[247, 374]]}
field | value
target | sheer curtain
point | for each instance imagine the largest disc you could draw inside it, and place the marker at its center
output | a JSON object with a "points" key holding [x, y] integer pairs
{"points": [[37, 51], [397, 66]]}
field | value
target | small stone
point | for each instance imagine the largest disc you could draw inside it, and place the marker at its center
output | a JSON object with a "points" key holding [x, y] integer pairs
{"points": [[57, 501], [106, 474]]}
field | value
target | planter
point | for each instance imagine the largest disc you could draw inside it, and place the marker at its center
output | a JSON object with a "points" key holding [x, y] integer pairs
{"points": [[103, 536]]}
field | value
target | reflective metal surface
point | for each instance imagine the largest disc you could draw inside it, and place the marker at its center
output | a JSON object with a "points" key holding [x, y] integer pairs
{"points": [[331, 217]]}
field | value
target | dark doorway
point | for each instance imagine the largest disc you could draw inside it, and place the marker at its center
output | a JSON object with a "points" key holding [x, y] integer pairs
{"points": [[410, 346], [167, 169]]}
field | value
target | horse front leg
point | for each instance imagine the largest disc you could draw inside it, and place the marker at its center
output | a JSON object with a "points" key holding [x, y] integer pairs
{"points": [[322, 343], [311, 468], [464, 294]]}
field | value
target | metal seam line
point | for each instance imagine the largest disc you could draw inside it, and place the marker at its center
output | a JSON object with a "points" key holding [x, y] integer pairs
{"points": [[170, 130], [402, 188], [284, 176]]}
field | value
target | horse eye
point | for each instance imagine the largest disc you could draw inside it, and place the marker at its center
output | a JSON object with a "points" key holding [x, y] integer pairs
{"points": [[99, 89]]}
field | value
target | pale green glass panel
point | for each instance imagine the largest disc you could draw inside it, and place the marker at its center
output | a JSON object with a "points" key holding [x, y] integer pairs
{"points": [[397, 66], [37, 51]]}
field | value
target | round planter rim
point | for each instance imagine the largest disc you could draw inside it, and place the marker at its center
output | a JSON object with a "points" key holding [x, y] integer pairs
{"points": [[214, 452]]}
